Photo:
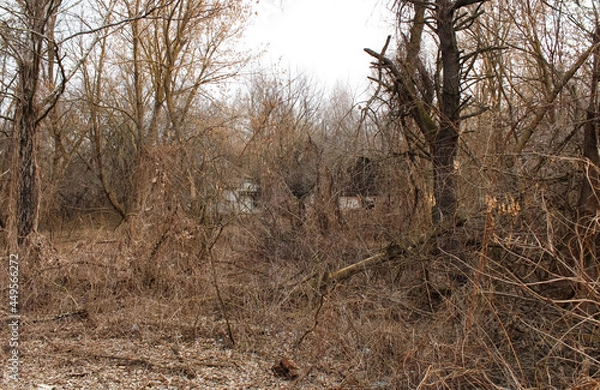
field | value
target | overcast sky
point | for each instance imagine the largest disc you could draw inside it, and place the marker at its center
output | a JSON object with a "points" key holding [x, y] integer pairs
{"points": [[322, 38]]}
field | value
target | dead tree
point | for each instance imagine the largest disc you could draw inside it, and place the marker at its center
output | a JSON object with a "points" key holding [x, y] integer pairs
{"points": [[589, 201], [408, 81], [28, 48]]}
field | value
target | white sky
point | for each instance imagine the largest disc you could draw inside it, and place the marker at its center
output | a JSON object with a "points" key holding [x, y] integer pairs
{"points": [[322, 38]]}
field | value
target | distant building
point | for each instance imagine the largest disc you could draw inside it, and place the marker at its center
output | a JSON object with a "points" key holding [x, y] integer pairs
{"points": [[243, 199], [360, 192], [356, 202]]}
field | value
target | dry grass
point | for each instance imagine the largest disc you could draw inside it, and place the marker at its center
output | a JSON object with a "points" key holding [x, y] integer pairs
{"points": [[523, 314]]}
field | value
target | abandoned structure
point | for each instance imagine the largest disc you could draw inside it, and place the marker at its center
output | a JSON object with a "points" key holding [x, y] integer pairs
{"points": [[360, 191], [243, 199]]}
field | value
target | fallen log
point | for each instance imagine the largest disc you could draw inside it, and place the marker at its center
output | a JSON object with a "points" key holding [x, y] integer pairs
{"points": [[403, 256], [329, 278]]}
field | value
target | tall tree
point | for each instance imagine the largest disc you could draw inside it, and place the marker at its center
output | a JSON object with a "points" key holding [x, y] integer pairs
{"points": [[408, 81], [33, 45], [30, 44], [146, 85], [589, 201]]}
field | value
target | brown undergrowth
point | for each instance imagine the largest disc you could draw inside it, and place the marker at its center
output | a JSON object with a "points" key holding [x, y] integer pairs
{"points": [[524, 314]]}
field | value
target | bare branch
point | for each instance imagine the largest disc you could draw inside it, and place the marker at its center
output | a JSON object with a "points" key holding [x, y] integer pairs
{"points": [[557, 89], [463, 3], [385, 62]]}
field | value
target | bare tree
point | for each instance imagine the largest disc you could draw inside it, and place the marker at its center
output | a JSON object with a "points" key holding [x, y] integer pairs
{"points": [[408, 81], [589, 199], [27, 32], [283, 117], [27, 35], [146, 87]]}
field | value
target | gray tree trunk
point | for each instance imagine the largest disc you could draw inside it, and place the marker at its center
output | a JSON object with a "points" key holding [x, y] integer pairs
{"points": [[27, 116], [445, 142]]}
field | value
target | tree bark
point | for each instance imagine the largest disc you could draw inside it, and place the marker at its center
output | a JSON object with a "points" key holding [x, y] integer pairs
{"points": [[589, 201], [26, 118], [28, 195], [445, 143], [590, 186]]}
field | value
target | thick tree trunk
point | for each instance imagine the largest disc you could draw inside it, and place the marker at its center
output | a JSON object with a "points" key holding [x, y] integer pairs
{"points": [[26, 122], [28, 196], [414, 89], [590, 187], [589, 201], [39, 17], [445, 143]]}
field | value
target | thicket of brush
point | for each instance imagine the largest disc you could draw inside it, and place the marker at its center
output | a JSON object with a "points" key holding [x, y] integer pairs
{"points": [[515, 305], [138, 158]]}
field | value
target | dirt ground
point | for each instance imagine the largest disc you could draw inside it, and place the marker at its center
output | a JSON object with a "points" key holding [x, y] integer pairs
{"points": [[74, 353]]}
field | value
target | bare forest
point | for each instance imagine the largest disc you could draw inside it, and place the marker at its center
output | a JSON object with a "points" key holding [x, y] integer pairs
{"points": [[171, 219]]}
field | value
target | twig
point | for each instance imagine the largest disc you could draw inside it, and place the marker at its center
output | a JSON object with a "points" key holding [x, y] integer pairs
{"points": [[216, 285], [315, 324], [424, 378]]}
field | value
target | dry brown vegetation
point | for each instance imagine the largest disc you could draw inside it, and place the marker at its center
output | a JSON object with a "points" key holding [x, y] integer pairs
{"points": [[145, 272], [516, 309]]}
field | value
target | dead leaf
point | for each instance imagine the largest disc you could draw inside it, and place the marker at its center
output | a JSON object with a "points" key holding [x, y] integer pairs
{"points": [[285, 369]]}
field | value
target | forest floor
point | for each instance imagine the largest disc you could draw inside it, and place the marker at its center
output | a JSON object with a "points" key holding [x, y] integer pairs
{"points": [[80, 351], [99, 310], [88, 322]]}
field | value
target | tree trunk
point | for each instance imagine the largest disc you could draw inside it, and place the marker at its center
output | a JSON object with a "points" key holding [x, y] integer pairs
{"points": [[28, 196], [445, 144], [588, 199], [26, 120], [413, 88], [589, 202]]}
